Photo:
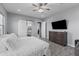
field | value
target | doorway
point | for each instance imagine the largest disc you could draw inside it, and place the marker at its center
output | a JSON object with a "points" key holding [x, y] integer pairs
{"points": [[39, 29]]}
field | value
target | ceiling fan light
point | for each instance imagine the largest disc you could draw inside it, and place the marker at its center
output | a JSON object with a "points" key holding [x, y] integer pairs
{"points": [[44, 7], [40, 7], [40, 10]]}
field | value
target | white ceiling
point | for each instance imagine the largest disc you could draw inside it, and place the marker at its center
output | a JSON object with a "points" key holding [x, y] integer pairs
{"points": [[26, 8]]}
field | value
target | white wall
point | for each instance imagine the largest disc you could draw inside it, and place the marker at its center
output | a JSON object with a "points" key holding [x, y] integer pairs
{"points": [[3, 11], [12, 22], [72, 17]]}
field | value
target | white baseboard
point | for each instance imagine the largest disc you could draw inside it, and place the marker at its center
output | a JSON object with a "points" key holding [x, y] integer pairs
{"points": [[71, 45]]}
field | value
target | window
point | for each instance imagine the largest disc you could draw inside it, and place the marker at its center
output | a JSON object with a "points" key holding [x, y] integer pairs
{"points": [[1, 24]]}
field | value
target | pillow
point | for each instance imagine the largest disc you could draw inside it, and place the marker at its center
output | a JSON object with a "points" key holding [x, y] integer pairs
{"points": [[3, 36], [13, 36], [7, 35], [4, 40], [2, 48], [13, 44]]}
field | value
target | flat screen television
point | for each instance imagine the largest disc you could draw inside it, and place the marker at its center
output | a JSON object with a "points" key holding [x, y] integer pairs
{"points": [[59, 24]]}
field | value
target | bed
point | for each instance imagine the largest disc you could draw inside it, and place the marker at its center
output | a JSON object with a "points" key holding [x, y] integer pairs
{"points": [[23, 46]]}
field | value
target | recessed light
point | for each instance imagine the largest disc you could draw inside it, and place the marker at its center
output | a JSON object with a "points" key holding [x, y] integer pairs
{"points": [[18, 9]]}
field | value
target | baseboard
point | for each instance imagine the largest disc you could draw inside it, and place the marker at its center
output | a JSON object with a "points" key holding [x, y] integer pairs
{"points": [[71, 45]]}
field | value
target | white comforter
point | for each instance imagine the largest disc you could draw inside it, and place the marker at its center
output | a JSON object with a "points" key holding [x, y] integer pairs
{"points": [[29, 46]]}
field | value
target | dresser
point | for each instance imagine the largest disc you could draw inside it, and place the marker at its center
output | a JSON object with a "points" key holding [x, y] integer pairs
{"points": [[58, 37]]}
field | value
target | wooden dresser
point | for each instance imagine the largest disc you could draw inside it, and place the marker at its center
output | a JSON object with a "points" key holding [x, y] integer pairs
{"points": [[58, 37]]}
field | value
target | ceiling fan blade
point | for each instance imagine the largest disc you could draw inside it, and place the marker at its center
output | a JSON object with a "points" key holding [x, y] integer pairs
{"points": [[40, 4], [34, 5], [45, 4], [47, 9], [34, 10], [40, 7]]}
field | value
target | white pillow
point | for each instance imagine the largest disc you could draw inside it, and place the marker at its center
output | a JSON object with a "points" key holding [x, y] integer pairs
{"points": [[13, 44], [7, 35], [2, 48], [3, 36], [13, 36], [4, 40]]}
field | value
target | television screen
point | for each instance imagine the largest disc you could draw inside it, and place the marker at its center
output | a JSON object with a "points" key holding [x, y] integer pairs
{"points": [[59, 24]]}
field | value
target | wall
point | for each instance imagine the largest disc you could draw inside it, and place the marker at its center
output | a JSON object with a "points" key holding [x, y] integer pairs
{"points": [[3, 11], [72, 17], [12, 22]]}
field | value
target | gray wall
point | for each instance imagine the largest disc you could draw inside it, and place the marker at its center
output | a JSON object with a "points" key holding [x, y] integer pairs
{"points": [[12, 22]]}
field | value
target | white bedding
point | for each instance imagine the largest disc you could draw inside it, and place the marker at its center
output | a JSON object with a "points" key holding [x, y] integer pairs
{"points": [[28, 46]]}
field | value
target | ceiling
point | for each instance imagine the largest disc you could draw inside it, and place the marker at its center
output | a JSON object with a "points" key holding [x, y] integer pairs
{"points": [[27, 9]]}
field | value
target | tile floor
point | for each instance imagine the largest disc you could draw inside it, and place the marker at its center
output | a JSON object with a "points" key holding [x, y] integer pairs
{"points": [[58, 50]]}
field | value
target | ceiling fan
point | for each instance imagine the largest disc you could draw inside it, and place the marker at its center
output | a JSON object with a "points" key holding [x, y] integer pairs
{"points": [[40, 7]]}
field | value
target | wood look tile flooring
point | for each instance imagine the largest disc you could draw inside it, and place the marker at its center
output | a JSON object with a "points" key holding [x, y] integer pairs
{"points": [[58, 50]]}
